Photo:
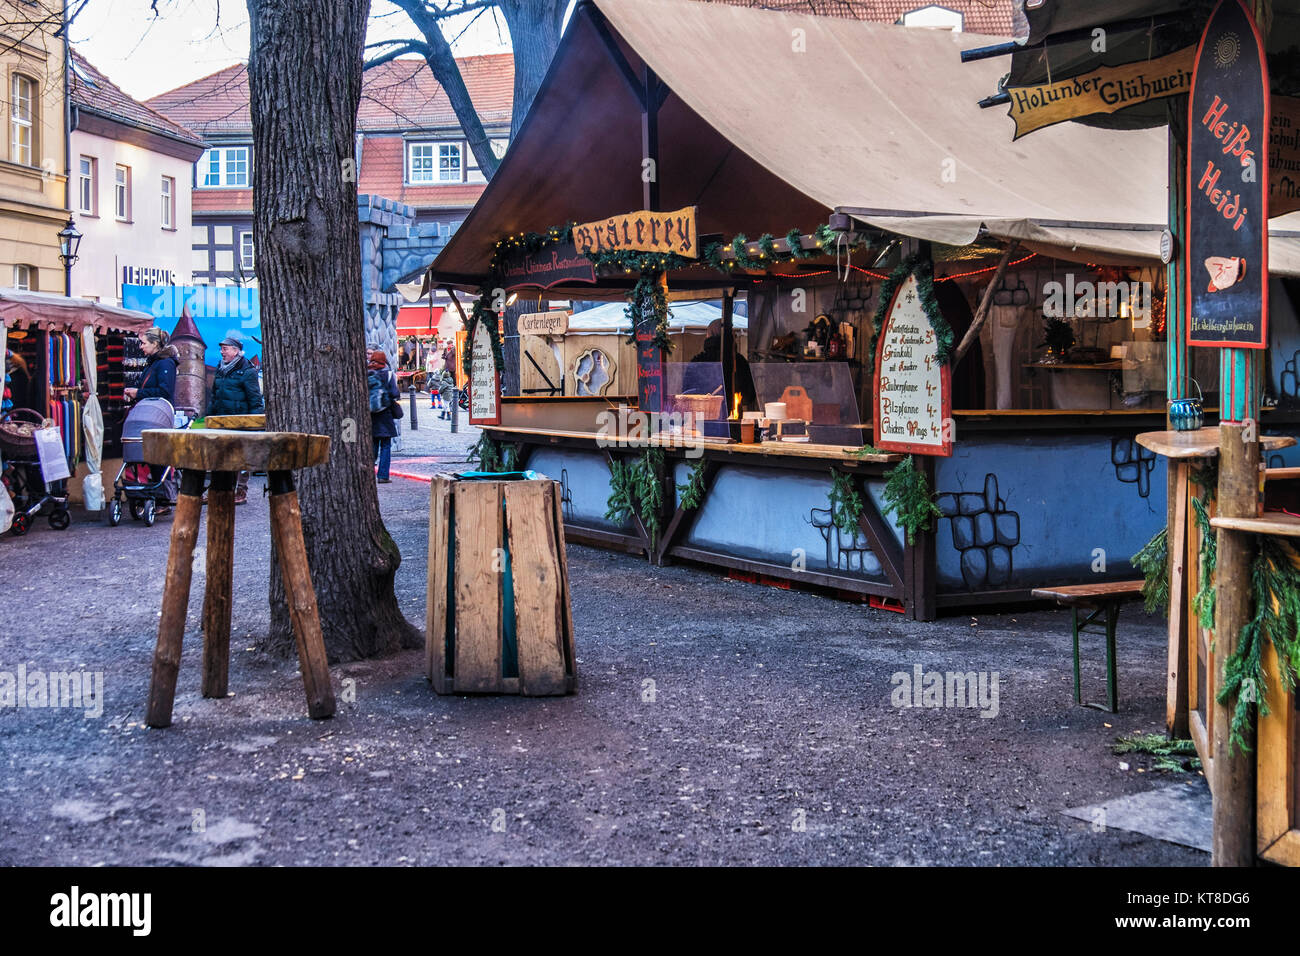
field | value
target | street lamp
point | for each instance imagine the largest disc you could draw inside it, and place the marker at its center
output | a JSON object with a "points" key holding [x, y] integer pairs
{"points": [[69, 242]]}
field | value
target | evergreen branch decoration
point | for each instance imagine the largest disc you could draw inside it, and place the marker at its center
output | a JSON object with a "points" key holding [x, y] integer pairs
{"points": [[920, 266], [908, 493], [1203, 603], [693, 491], [846, 503], [1153, 562], [637, 488], [487, 453]]}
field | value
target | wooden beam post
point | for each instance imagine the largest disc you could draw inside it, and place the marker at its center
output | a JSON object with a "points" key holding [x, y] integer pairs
{"points": [[982, 313], [218, 589], [176, 600]]}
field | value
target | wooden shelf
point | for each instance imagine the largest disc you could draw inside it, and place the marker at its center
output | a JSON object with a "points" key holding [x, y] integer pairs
{"points": [[1202, 443], [1078, 366], [1273, 522]]}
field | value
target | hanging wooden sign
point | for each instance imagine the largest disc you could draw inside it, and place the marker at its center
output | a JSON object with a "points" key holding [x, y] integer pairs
{"points": [[550, 265], [913, 388], [484, 380], [641, 232], [1107, 90], [1227, 193], [554, 322], [1284, 156], [649, 360]]}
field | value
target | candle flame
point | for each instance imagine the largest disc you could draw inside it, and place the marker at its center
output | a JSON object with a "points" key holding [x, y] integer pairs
{"points": [[735, 405]]}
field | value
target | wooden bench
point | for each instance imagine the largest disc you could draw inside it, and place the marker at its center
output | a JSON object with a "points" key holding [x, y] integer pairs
{"points": [[1102, 598]]}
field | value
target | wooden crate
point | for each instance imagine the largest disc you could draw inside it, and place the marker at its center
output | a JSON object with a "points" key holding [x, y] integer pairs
{"points": [[496, 560]]}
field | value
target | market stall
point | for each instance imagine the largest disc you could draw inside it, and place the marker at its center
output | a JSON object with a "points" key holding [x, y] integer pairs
{"points": [[1030, 314], [69, 360]]}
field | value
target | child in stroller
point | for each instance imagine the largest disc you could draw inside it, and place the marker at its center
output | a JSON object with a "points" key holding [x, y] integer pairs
{"points": [[147, 490]]}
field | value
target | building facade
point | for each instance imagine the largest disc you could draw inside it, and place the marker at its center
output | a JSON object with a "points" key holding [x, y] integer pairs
{"points": [[131, 185], [410, 151], [33, 156]]}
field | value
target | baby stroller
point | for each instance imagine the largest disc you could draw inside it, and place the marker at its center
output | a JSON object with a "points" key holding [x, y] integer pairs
{"points": [[135, 487], [31, 494]]}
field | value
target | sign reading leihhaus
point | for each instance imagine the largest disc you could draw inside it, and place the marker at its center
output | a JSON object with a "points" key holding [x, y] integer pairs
{"points": [[554, 263], [641, 232], [1105, 90], [555, 322], [913, 387], [484, 380], [1227, 201]]}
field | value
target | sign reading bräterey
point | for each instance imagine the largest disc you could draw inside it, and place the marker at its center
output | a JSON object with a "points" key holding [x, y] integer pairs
{"points": [[484, 380], [645, 231], [913, 401], [1227, 185]]}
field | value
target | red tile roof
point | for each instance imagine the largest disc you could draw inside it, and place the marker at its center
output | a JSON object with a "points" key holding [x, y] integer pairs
{"points": [[222, 200], [382, 166], [991, 17], [93, 91], [399, 95]]}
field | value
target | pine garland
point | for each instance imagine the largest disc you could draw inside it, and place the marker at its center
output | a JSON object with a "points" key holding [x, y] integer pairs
{"points": [[908, 493], [637, 487], [923, 269], [1153, 562], [846, 503], [487, 453], [1203, 603], [693, 491]]}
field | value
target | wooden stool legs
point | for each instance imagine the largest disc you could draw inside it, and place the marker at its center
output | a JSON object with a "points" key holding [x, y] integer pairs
{"points": [[286, 534], [217, 595], [176, 599]]}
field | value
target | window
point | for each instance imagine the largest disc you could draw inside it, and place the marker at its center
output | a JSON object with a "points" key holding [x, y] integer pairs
{"points": [[24, 278], [224, 166], [87, 182], [449, 163], [122, 192], [168, 202], [22, 106], [433, 163], [246, 251]]}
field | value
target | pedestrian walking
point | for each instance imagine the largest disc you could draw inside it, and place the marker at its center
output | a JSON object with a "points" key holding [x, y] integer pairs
{"points": [[235, 391], [158, 381], [433, 365], [385, 408]]}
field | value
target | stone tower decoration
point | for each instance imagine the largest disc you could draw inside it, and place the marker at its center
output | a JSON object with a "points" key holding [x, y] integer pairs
{"points": [[191, 369]]}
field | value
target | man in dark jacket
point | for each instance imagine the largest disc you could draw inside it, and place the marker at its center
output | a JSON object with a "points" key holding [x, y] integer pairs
{"points": [[235, 391]]}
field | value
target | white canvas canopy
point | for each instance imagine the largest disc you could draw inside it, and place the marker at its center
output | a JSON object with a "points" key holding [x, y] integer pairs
{"points": [[685, 317]]}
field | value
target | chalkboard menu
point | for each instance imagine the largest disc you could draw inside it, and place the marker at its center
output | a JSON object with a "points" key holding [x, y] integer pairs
{"points": [[913, 393], [649, 363], [484, 380], [1227, 185]]}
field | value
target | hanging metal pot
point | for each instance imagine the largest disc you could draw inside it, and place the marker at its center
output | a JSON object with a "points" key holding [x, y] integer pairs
{"points": [[1187, 414]]}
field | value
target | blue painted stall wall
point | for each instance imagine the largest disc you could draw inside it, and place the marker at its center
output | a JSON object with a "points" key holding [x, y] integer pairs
{"points": [[778, 517], [1284, 345], [584, 484], [1024, 512]]}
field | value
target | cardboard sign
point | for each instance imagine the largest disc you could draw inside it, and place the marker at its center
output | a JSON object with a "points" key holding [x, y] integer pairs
{"points": [[554, 263], [484, 380], [641, 232], [555, 322], [1227, 193], [1106, 90], [49, 449], [913, 389]]}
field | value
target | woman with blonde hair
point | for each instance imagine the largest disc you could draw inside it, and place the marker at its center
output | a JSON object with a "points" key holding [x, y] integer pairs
{"points": [[159, 379]]}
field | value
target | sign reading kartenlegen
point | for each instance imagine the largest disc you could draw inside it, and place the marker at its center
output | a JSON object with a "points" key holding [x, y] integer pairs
{"points": [[1102, 91], [1227, 196], [913, 389], [554, 322], [641, 232], [484, 380]]}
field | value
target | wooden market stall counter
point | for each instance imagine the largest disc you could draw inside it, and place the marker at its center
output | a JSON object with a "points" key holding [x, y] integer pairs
{"points": [[1027, 500], [1192, 667]]}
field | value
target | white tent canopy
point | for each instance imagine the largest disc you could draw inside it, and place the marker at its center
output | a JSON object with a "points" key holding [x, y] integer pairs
{"points": [[684, 317]]}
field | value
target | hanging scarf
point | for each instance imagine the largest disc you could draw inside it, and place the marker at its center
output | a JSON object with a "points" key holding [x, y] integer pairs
{"points": [[228, 367]]}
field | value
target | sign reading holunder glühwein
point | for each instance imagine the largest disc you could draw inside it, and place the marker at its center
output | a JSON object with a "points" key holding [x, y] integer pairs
{"points": [[484, 380], [913, 400], [1227, 185]]}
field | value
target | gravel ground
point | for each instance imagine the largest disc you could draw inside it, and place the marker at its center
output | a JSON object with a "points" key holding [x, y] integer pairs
{"points": [[716, 722]]}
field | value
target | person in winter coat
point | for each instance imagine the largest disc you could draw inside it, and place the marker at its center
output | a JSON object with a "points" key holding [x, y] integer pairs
{"points": [[380, 380], [235, 391], [433, 366], [159, 379]]}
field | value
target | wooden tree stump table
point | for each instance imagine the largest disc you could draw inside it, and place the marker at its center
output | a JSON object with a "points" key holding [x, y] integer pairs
{"points": [[224, 454]]}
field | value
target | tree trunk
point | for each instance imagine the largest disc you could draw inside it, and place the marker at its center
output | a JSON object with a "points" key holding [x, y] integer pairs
{"points": [[534, 35], [304, 71]]}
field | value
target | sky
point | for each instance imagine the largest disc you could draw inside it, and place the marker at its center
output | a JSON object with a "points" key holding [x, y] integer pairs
{"points": [[146, 54]]}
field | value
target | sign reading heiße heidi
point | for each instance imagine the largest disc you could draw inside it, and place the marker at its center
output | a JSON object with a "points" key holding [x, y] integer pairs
{"points": [[1227, 185], [484, 380], [641, 232], [913, 388]]}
